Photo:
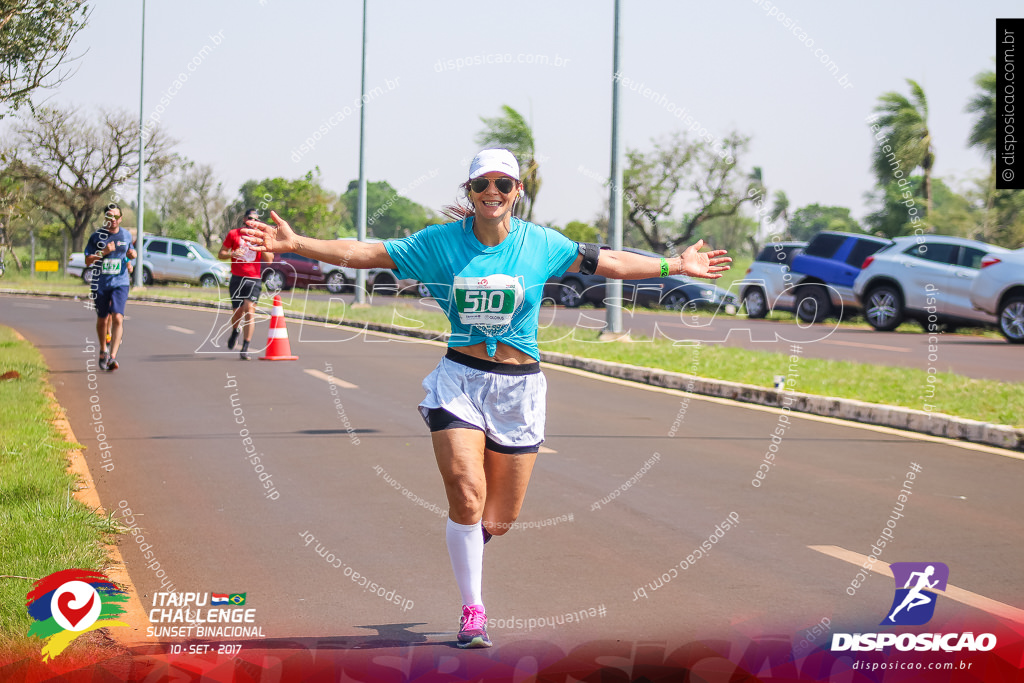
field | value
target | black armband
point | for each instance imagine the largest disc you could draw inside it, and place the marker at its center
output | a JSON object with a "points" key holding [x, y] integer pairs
{"points": [[589, 251]]}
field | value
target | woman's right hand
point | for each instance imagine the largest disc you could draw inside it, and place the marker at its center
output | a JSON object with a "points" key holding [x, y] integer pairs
{"points": [[276, 239]]}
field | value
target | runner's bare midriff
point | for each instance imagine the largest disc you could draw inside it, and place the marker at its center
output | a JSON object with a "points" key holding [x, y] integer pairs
{"points": [[503, 354]]}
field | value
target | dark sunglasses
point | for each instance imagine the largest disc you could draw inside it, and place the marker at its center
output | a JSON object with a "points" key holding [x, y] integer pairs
{"points": [[504, 185], [113, 218]]}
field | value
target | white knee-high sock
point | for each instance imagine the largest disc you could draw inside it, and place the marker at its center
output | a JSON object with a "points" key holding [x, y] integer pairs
{"points": [[466, 550]]}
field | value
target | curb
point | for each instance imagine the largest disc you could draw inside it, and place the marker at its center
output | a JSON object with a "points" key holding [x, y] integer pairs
{"points": [[896, 417]]}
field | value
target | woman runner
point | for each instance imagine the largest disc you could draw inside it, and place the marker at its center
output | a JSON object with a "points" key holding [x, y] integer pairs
{"points": [[485, 402]]}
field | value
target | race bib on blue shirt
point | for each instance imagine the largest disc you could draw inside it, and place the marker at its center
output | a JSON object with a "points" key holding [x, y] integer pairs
{"points": [[112, 266]]}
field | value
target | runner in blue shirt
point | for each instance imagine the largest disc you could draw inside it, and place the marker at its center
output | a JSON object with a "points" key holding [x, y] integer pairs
{"points": [[485, 400], [109, 248]]}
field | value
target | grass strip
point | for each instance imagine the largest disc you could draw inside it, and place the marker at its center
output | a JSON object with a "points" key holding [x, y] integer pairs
{"points": [[45, 529]]}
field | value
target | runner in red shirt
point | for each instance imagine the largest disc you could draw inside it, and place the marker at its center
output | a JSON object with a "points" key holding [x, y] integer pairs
{"points": [[245, 284]]}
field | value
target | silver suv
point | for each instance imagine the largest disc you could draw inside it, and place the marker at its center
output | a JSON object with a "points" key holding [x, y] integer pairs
{"points": [[768, 284], [168, 259], [922, 277], [999, 290]]}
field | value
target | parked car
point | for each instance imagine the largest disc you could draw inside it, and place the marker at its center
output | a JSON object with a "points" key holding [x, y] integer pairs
{"points": [[998, 290], [673, 292], [76, 267], [290, 270], [824, 273], [167, 259], [767, 284], [920, 276], [378, 280]]}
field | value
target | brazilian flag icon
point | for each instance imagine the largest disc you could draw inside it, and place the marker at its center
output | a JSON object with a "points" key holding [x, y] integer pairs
{"points": [[237, 598]]}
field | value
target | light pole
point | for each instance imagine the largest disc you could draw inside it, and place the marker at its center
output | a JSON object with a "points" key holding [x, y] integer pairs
{"points": [[361, 201], [613, 302], [139, 249]]}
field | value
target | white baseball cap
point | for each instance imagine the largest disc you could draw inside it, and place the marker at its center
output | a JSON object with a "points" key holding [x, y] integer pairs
{"points": [[489, 160]]}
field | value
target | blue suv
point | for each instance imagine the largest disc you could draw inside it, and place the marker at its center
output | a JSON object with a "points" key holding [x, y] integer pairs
{"points": [[825, 271]]}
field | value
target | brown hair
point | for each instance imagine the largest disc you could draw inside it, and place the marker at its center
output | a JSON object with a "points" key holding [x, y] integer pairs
{"points": [[459, 211]]}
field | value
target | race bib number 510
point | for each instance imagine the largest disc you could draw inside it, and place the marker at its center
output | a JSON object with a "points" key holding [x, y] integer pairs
{"points": [[490, 300]]}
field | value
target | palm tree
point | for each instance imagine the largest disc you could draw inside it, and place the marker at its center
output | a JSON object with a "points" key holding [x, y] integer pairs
{"points": [[513, 133], [983, 134], [905, 123], [983, 105], [780, 209]]}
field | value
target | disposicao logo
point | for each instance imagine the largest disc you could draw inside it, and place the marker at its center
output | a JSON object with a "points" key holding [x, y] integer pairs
{"points": [[914, 605], [918, 579], [71, 602]]}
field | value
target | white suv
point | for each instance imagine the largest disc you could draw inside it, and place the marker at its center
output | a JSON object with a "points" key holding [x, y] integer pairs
{"points": [[768, 284], [999, 290], [922, 276]]}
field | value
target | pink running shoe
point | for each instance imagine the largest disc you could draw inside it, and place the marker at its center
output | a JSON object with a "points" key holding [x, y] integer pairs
{"points": [[473, 631]]}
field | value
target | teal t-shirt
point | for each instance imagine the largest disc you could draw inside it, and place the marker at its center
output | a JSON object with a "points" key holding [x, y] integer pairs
{"points": [[489, 294]]}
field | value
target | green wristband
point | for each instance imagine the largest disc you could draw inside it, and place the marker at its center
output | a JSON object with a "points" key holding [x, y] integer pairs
{"points": [[664, 267]]}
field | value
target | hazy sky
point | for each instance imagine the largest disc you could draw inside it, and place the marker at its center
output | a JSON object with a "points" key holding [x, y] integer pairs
{"points": [[266, 74]]}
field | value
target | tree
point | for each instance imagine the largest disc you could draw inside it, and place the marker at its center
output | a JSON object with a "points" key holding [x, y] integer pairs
{"points": [[983, 138], [210, 202], [906, 142], [578, 231], [780, 209], [705, 174], [388, 213], [308, 206], [12, 201], [512, 132], [983, 106], [169, 209], [34, 39], [777, 214], [733, 233], [79, 166], [813, 218], [190, 204], [951, 215]]}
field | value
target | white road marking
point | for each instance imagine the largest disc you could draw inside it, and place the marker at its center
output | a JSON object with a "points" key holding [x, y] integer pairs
{"points": [[994, 607], [861, 345], [545, 449], [330, 379], [175, 328]]}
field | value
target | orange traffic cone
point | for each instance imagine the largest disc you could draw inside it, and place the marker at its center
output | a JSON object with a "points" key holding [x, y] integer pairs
{"points": [[278, 347]]}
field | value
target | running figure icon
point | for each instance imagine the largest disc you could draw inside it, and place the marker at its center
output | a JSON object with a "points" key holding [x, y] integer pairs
{"points": [[916, 597]]}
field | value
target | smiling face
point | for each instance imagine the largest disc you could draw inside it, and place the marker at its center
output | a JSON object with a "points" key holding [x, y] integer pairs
{"points": [[491, 203]]}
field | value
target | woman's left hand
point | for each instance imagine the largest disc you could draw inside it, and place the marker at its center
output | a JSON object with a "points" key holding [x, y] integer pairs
{"points": [[709, 264]]}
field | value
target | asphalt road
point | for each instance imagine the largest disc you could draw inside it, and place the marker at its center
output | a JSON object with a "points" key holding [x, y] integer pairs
{"points": [[354, 477], [962, 354]]}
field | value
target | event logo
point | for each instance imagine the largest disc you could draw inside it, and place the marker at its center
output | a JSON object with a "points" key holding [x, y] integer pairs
{"points": [[71, 602], [914, 603]]}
